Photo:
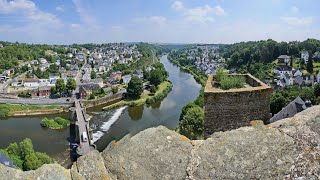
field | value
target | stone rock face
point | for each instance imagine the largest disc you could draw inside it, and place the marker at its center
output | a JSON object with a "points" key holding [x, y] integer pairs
{"points": [[47, 171], [155, 153], [91, 166], [286, 149], [246, 153]]}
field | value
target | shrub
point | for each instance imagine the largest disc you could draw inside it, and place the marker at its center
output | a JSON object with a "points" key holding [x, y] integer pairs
{"points": [[191, 124], [229, 82], [57, 123], [4, 112]]}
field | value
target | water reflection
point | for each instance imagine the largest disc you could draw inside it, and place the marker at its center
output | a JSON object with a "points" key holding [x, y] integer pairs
{"points": [[135, 112]]}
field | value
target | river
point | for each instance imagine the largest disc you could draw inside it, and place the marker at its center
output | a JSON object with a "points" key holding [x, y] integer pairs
{"points": [[108, 125]]}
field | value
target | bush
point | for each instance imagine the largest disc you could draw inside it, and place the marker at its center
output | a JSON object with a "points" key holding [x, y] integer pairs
{"points": [[192, 122], [57, 123], [4, 112], [229, 82]]}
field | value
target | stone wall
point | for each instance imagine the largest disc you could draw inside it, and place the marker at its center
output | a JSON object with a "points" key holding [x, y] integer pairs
{"points": [[104, 100], [234, 108]]}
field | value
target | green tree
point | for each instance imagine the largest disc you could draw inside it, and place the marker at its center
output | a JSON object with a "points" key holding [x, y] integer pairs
{"points": [[93, 75], [310, 65], [114, 89], [192, 123], [156, 77], [316, 90], [153, 89], [60, 86], [135, 87], [277, 102], [31, 162], [71, 84], [13, 149], [43, 158], [26, 148]]}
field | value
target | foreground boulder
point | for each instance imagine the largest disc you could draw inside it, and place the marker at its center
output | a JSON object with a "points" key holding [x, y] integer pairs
{"points": [[286, 149], [47, 171], [155, 153]]}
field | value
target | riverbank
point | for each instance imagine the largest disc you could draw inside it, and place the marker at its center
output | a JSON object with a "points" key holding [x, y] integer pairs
{"points": [[27, 110], [163, 90]]}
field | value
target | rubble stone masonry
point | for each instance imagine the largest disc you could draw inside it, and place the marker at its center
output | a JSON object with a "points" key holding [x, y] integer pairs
{"points": [[234, 108]]}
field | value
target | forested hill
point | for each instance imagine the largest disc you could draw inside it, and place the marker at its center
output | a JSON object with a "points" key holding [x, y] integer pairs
{"points": [[265, 51], [11, 53]]}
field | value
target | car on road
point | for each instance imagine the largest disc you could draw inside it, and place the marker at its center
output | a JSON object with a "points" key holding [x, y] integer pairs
{"points": [[84, 137]]}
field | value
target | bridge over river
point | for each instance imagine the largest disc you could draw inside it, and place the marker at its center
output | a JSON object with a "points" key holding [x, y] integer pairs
{"points": [[82, 127]]}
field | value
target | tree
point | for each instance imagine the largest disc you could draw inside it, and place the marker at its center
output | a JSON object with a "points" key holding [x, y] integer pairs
{"points": [[316, 90], [153, 89], [71, 84], [13, 149], [192, 123], [31, 162], [114, 89], [93, 75], [156, 77], [277, 102], [26, 148], [60, 86], [310, 65], [43, 158], [135, 87]]}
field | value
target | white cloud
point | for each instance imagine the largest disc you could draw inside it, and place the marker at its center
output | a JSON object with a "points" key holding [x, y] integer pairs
{"points": [[117, 28], [159, 20], [85, 16], [60, 8], [27, 10], [75, 26], [8, 7], [295, 21], [294, 9], [177, 5], [199, 14], [219, 11]]}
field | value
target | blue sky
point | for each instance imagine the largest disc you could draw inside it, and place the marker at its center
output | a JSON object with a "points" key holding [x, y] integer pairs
{"points": [[162, 21]]}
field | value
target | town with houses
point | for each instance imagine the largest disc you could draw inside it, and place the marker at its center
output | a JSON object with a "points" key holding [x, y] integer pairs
{"points": [[206, 59], [90, 69]]}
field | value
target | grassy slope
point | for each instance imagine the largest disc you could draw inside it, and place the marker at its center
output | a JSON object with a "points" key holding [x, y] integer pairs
{"points": [[7, 109]]}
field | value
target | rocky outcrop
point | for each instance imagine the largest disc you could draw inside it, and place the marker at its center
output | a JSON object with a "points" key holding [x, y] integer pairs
{"points": [[155, 153], [286, 149], [47, 171]]}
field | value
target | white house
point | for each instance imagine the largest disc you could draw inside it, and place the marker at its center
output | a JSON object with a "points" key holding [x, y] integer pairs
{"points": [[283, 69], [69, 55], [43, 60], [126, 79], [54, 77], [305, 56], [283, 60], [32, 82], [297, 73], [318, 77]]}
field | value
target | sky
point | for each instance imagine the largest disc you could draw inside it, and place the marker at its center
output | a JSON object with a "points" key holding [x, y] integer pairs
{"points": [[157, 21]]}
